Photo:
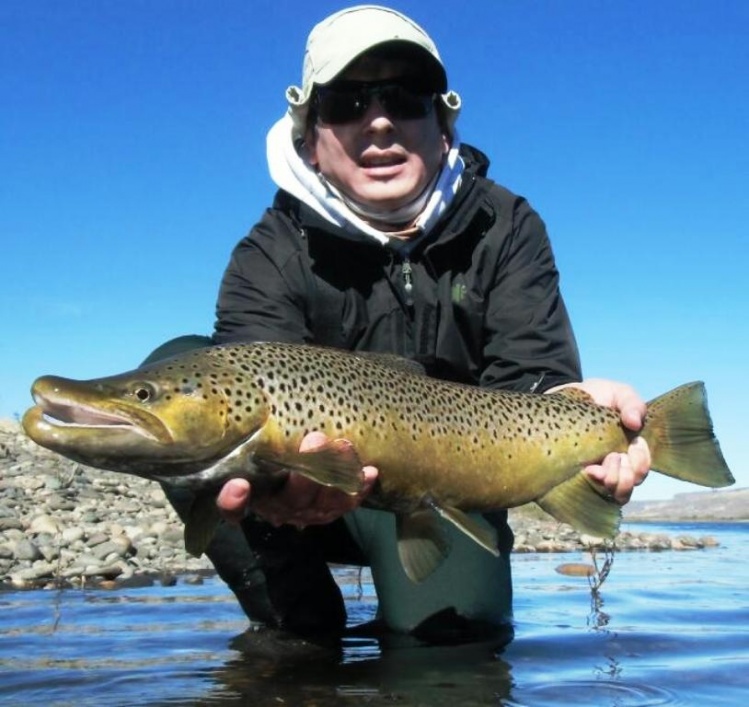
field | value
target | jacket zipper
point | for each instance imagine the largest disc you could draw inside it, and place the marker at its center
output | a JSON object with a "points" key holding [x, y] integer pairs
{"points": [[408, 284]]}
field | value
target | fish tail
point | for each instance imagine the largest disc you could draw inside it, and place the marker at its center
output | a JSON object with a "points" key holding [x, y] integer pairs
{"points": [[679, 433]]}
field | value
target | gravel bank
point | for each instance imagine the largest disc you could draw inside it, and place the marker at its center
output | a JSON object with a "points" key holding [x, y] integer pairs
{"points": [[64, 524]]}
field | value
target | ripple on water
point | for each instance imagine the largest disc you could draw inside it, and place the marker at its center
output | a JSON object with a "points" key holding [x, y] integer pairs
{"points": [[592, 692]]}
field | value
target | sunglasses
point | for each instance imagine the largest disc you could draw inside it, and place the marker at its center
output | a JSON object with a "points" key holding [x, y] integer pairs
{"points": [[347, 101]]}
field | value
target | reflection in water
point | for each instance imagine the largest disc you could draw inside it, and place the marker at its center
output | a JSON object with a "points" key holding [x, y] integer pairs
{"points": [[603, 561], [598, 619], [282, 671]]}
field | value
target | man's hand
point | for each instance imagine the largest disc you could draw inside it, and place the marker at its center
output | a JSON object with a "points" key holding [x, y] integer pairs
{"points": [[300, 502], [618, 473]]}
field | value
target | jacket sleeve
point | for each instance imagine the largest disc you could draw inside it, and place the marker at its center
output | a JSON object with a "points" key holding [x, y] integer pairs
{"points": [[260, 298], [529, 344]]}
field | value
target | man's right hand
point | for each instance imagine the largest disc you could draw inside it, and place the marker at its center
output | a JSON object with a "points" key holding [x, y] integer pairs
{"points": [[300, 502]]}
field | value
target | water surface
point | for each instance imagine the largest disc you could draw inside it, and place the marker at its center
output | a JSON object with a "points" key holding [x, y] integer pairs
{"points": [[668, 628]]}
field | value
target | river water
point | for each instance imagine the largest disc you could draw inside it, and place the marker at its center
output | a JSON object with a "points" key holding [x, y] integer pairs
{"points": [[667, 628]]}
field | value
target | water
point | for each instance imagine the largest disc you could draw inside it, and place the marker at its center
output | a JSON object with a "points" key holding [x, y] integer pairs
{"points": [[670, 628]]}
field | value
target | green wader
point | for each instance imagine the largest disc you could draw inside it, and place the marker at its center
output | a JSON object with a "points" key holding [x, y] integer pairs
{"points": [[281, 577]]}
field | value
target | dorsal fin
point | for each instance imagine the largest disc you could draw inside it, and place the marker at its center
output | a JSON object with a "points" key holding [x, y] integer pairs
{"points": [[397, 363]]}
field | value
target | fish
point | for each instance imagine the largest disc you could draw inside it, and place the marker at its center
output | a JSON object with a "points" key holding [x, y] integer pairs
{"points": [[443, 450], [576, 569]]}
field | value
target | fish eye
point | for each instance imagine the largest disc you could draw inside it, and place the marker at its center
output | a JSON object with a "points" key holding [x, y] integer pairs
{"points": [[144, 392]]}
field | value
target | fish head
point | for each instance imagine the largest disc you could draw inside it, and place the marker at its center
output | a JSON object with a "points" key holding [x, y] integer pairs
{"points": [[171, 418]]}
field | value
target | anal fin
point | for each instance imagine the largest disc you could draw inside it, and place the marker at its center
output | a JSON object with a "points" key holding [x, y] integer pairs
{"points": [[578, 503]]}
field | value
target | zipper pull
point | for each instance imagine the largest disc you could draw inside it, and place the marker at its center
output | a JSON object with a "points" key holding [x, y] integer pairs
{"points": [[408, 284]]}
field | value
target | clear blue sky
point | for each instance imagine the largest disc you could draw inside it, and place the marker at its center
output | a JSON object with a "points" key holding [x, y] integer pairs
{"points": [[132, 159]]}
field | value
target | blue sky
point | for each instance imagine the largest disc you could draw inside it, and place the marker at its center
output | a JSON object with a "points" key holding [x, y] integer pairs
{"points": [[132, 159]]}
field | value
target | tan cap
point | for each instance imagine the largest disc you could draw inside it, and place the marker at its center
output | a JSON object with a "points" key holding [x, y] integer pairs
{"points": [[342, 37]]}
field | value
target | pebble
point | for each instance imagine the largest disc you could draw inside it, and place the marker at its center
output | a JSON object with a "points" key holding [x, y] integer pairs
{"points": [[10, 524], [44, 524], [72, 535], [25, 550]]}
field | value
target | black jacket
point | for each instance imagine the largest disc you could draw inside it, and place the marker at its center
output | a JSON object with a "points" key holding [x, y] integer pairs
{"points": [[476, 301]]}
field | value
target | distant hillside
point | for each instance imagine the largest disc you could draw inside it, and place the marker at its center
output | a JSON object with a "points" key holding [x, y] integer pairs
{"points": [[731, 504]]}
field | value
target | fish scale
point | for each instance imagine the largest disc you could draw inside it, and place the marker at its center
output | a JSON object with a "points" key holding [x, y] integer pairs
{"points": [[442, 449]]}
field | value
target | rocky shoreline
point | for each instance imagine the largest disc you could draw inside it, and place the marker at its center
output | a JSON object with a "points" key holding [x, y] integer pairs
{"points": [[64, 524]]}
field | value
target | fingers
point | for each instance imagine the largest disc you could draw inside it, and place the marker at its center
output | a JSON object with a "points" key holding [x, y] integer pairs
{"points": [[233, 499], [618, 473], [631, 407], [615, 475], [312, 441], [640, 459], [304, 502], [621, 397]]}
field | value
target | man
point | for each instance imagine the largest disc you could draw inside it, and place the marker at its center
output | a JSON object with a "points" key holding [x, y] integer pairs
{"points": [[386, 235]]}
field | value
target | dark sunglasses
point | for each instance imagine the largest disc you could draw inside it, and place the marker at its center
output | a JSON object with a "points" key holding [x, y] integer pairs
{"points": [[347, 101]]}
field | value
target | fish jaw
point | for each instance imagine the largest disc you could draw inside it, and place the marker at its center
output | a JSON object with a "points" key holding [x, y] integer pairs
{"points": [[80, 405], [81, 421], [131, 423]]}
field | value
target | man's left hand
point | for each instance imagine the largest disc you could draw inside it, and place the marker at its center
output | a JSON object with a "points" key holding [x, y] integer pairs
{"points": [[618, 472]]}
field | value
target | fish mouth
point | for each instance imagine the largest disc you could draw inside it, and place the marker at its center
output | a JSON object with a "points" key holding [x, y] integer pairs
{"points": [[65, 414], [65, 409]]}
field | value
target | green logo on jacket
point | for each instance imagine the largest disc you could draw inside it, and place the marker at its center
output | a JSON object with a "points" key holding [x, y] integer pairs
{"points": [[458, 292]]}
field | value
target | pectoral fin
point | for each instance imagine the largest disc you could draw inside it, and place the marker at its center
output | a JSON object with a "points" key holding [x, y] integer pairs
{"points": [[482, 534], [334, 463], [577, 502], [201, 524], [422, 543]]}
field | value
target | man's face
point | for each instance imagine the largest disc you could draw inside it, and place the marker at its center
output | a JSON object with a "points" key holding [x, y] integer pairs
{"points": [[380, 161]]}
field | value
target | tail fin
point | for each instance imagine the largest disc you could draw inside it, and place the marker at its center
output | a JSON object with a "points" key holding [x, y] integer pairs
{"points": [[680, 436]]}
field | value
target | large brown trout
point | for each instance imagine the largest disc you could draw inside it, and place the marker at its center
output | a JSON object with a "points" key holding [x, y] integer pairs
{"points": [[442, 449]]}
